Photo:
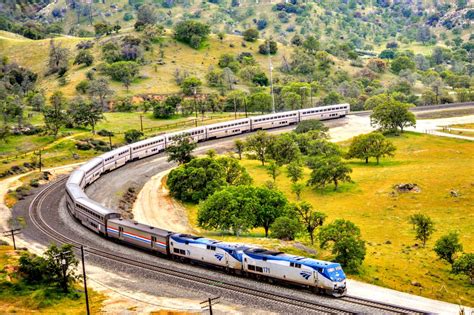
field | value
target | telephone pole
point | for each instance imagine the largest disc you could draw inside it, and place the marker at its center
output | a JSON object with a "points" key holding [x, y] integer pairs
{"points": [[207, 304], [271, 75], [141, 123], [12, 233], [85, 280]]}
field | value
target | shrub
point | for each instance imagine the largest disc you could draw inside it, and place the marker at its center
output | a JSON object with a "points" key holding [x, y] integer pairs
{"points": [[250, 35], [285, 228], [132, 135]]}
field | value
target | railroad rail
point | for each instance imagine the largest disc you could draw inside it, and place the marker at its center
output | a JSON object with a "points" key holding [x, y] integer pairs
{"points": [[37, 219]]}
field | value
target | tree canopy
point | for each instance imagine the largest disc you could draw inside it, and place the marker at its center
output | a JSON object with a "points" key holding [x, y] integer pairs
{"points": [[370, 145], [391, 115], [327, 170], [239, 208], [423, 226], [181, 149], [191, 32], [346, 241], [198, 179]]}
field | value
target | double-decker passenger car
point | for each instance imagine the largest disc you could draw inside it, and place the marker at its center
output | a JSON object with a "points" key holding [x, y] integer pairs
{"points": [[228, 128], [274, 120], [116, 158], [144, 148], [93, 215], [140, 235], [324, 112], [92, 169]]}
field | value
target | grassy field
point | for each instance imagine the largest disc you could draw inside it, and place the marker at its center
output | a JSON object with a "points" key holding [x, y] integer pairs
{"points": [[61, 151], [445, 113], [438, 165], [465, 126], [23, 299]]}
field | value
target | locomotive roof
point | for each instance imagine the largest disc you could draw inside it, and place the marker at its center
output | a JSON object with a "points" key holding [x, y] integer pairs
{"points": [[140, 226], [202, 240], [260, 253]]}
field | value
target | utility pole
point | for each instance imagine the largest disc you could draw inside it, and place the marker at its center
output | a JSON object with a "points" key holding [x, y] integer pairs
{"points": [[85, 280], [141, 123], [207, 304], [271, 75], [195, 107], [12, 233], [110, 141], [40, 160], [62, 261]]}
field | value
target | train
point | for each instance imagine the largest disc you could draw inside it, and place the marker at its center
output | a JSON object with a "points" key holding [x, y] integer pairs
{"points": [[320, 276]]}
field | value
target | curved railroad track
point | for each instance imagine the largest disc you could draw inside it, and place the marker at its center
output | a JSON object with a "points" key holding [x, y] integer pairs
{"points": [[35, 215]]}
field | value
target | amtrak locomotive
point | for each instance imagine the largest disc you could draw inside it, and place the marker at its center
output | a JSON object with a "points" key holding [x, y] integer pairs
{"points": [[321, 276]]}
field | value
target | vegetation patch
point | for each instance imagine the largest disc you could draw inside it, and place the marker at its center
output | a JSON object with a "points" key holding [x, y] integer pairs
{"points": [[19, 295]]}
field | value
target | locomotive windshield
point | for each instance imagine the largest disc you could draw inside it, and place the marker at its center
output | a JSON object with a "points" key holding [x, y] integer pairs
{"points": [[335, 273]]}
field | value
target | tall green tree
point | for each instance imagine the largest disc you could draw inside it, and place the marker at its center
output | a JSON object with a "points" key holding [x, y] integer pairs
{"points": [[447, 246], [191, 32], [371, 145], [309, 219], [191, 86], [260, 144], [181, 149], [465, 265], [423, 226], [327, 170], [54, 115], [84, 113], [284, 149], [62, 266], [273, 170], [99, 91], [233, 209], [346, 241], [84, 57], [250, 35], [295, 171], [391, 115], [239, 146], [285, 228], [272, 204]]}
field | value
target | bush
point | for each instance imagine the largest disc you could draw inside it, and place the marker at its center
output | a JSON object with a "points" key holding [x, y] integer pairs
{"points": [[83, 86], [270, 46], [132, 135], [191, 32], [285, 228], [250, 35]]}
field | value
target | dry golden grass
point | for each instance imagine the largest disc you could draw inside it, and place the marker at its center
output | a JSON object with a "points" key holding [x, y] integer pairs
{"points": [[438, 165]]}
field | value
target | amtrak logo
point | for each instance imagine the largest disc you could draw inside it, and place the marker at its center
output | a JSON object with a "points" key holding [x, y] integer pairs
{"points": [[305, 274], [219, 256]]}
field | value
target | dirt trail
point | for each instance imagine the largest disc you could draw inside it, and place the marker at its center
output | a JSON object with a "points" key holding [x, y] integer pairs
{"points": [[156, 207], [14, 182]]}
